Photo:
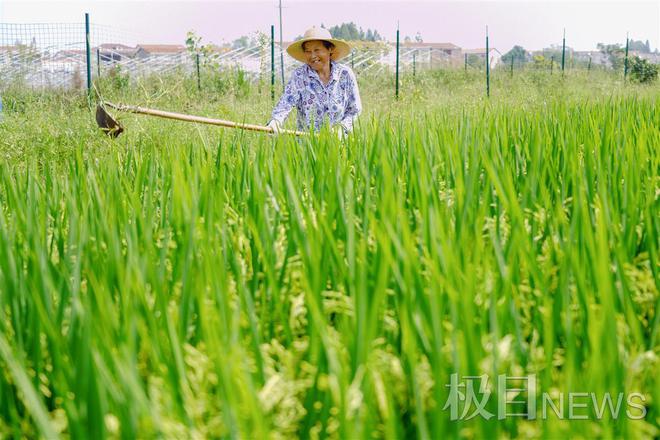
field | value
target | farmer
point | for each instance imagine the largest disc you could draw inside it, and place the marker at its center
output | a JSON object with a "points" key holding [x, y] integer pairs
{"points": [[321, 88]]}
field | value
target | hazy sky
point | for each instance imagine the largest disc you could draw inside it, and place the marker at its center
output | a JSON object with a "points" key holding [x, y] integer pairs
{"points": [[532, 24]]}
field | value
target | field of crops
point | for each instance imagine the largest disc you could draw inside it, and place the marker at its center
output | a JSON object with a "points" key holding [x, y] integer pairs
{"points": [[185, 281]]}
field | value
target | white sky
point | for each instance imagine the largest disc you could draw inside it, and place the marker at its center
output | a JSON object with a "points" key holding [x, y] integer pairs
{"points": [[532, 24]]}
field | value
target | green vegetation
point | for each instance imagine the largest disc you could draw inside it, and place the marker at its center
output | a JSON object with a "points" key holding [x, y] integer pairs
{"points": [[191, 282], [350, 32], [642, 71], [516, 54]]}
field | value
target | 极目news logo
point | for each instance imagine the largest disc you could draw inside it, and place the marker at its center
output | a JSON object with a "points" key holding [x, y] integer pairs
{"points": [[517, 396]]}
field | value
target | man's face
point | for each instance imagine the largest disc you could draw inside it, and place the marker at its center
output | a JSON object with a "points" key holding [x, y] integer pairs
{"points": [[317, 55]]}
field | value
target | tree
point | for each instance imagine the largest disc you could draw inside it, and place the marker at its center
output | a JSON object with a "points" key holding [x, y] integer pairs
{"points": [[240, 42], [639, 46], [517, 53], [642, 71], [351, 32], [614, 52]]}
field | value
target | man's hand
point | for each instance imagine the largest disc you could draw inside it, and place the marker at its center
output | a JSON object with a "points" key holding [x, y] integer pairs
{"points": [[275, 126]]}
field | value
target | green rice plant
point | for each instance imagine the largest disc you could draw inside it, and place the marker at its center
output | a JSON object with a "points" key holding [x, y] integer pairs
{"points": [[183, 281]]}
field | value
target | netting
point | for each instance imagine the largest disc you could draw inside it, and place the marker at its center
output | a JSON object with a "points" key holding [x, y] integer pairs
{"points": [[55, 56]]}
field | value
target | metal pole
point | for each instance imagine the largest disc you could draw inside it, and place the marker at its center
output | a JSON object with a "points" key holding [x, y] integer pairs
{"points": [[563, 52], [281, 54], [487, 66], [589, 65], [511, 65], [397, 63], [272, 62], [625, 61], [414, 65], [465, 63], [552, 63], [98, 62], [88, 57], [199, 82]]}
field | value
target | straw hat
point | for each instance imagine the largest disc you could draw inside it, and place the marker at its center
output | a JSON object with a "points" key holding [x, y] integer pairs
{"points": [[341, 49]]}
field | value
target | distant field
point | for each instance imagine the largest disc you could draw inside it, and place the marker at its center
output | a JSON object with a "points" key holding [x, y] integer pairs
{"points": [[186, 281]]}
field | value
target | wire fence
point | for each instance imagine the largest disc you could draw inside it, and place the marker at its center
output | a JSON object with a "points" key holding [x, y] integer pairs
{"points": [[41, 56], [55, 56]]}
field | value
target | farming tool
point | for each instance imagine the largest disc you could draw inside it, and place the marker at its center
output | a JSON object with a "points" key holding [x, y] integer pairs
{"points": [[113, 128]]}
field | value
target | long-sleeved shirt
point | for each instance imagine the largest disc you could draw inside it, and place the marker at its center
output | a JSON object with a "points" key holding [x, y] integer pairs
{"points": [[338, 101]]}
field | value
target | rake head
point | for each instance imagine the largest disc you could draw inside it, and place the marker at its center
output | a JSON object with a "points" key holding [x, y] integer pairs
{"points": [[107, 123]]}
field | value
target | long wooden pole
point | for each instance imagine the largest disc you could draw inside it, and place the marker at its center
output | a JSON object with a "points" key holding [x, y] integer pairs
{"points": [[198, 119]]}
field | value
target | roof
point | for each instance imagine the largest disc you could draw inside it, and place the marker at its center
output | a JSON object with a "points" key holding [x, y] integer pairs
{"points": [[11, 48], [115, 46], [161, 48], [71, 52], [578, 52], [447, 46], [479, 51]]}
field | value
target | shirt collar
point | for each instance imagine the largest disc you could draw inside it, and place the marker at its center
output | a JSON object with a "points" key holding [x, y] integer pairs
{"points": [[334, 72]]}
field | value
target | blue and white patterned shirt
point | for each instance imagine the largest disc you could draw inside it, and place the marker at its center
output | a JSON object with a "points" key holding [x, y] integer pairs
{"points": [[338, 101]]}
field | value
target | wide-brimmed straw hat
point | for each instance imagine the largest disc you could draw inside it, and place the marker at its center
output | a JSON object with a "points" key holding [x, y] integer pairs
{"points": [[341, 49]]}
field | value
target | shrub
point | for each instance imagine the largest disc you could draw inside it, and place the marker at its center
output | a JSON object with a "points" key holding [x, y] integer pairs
{"points": [[642, 70], [119, 79]]}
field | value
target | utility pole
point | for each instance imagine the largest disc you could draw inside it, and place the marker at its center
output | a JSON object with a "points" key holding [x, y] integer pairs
{"points": [[281, 54]]}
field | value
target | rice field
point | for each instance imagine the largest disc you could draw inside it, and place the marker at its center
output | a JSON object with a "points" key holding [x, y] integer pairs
{"points": [[193, 282]]}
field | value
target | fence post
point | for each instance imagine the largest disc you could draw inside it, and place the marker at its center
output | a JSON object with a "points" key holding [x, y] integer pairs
{"points": [[88, 54], [625, 61], [552, 63], [272, 62], [487, 66], [98, 62], [466, 63], [199, 81], [589, 65], [430, 58], [563, 52], [511, 65], [397, 63], [414, 64]]}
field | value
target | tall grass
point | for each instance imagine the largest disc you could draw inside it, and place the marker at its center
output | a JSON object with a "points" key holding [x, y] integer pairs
{"points": [[184, 282]]}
